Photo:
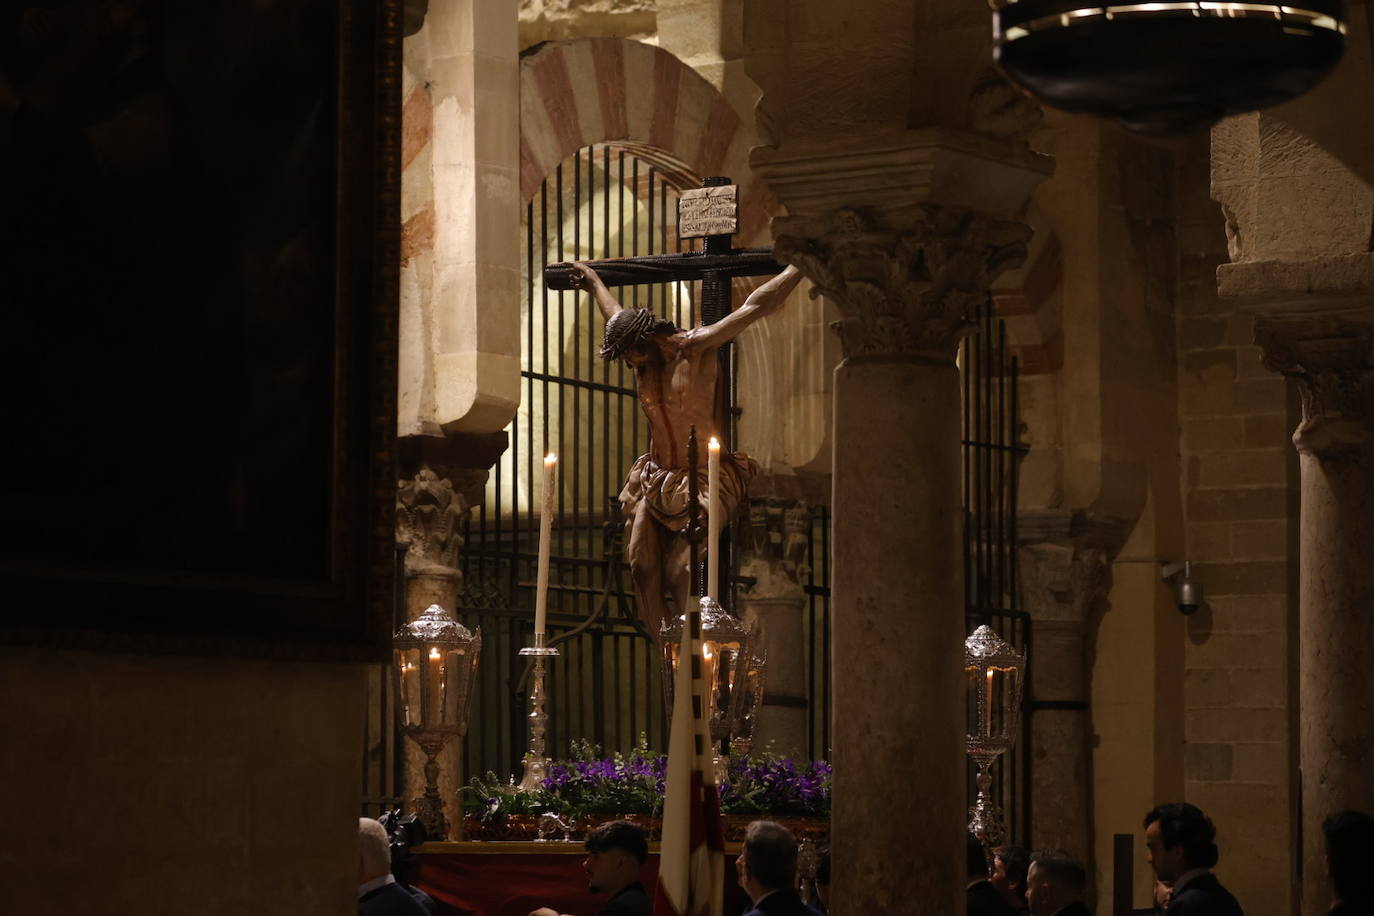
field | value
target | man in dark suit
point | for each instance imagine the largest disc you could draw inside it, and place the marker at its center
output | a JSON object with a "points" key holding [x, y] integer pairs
{"points": [[983, 898], [378, 892], [615, 852], [1349, 853], [767, 868], [1009, 867], [1055, 884], [1181, 846]]}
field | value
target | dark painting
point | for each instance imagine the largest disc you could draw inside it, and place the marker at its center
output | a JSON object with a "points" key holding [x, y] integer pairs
{"points": [[194, 234]]}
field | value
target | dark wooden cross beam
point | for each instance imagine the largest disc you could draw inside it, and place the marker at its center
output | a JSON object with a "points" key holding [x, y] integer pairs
{"points": [[710, 214], [669, 268]]}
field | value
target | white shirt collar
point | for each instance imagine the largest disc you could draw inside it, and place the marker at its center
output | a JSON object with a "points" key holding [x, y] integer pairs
{"points": [[1187, 876], [368, 887]]}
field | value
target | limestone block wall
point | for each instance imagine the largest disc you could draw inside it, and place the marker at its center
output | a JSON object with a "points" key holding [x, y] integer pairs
{"points": [[459, 368], [154, 785], [1239, 478], [557, 20]]}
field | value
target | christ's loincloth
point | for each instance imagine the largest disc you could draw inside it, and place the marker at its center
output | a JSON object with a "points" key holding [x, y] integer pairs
{"points": [[666, 489]]}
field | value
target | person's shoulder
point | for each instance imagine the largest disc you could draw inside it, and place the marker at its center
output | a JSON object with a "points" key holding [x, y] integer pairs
{"points": [[1204, 895], [1077, 908], [984, 900], [785, 902], [391, 900], [633, 901]]}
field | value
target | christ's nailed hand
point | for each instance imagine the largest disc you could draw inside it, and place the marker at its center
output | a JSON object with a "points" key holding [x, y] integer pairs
{"points": [[582, 274]]}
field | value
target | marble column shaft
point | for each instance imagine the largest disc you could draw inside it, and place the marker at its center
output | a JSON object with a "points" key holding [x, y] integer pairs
{"points": [[429, 515], [904, 263], [1059, 582], [1330, 357], [898, 607]]}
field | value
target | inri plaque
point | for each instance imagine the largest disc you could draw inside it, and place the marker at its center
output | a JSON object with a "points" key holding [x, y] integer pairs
{"points": [[708, 211]]}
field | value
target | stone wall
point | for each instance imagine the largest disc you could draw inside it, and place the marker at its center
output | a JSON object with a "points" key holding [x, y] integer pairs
{"points": [[1239, 473], [170, 785], [459, 358], [558, 20]]}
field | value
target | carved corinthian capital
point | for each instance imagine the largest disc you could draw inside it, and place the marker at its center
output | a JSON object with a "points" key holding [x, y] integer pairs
{"points": [[1330, 356], [429, 519], [907, 290]]}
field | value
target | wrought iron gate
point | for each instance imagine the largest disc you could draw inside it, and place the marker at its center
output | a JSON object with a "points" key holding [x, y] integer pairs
{"points": [[603, 202], [991, 453]]}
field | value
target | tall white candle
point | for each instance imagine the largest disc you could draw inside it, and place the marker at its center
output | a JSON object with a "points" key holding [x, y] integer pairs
{"points": [[541, 593], [713, 519]]}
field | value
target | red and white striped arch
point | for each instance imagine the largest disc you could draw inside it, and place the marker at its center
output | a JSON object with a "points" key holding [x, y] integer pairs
{"points": [[610, 90]]}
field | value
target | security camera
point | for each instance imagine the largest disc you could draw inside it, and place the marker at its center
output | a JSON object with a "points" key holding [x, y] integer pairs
{"points": [[1187, 593]]}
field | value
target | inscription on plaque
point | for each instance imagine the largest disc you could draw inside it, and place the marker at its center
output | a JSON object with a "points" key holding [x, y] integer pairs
{"points": [[708, 211]]}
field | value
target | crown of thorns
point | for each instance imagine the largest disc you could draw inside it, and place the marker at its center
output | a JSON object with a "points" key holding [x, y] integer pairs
{"points": [[629, 327]]}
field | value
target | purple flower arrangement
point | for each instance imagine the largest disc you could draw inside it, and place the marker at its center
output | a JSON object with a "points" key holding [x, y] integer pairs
{"points": [[776, 786], [588, 784]]}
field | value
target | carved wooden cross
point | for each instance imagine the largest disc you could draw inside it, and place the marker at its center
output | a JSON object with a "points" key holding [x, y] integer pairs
{"points": [[710, 213]]}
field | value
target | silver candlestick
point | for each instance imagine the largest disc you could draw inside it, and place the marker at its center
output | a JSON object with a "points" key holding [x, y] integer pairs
{"points": [[536, 764]]}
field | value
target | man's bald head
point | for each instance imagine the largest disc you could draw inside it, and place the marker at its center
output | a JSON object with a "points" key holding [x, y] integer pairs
{"points": [[374, 850]]}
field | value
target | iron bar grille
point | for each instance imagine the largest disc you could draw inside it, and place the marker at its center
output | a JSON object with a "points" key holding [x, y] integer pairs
{"points": [[816, 635], [603, 202], [991, 453]]}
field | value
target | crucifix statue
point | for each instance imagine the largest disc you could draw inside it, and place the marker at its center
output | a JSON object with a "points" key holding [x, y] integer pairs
{"points": [[680, 380]]}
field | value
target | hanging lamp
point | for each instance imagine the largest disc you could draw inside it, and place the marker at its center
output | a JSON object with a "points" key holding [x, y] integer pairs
{"points": [[1167, 67]]}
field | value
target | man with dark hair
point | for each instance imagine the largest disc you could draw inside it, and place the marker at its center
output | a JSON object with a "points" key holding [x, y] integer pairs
{"points": [[983, 898], [767, 869], [1055, 883], [1181, 846], [615, 852], [1009, 867], [1349, 853]]}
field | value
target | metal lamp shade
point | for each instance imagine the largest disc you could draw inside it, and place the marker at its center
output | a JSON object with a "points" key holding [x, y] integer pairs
{"points": [[734, 671], [994, 674], [435, 666], [1167, 67]]}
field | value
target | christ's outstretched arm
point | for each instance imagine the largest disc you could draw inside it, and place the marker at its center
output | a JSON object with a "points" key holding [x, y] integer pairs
{"points": [[608, 304], [765, 300]]}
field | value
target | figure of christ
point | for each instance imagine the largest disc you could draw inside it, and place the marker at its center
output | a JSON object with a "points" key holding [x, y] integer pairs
{"points": [[676, 372]]}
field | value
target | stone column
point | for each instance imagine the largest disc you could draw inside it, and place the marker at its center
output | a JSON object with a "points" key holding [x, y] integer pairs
{"points": [[444, 478], [459, 358], [902, 235], [1331, 356], [1060, 581], [774, 557]]}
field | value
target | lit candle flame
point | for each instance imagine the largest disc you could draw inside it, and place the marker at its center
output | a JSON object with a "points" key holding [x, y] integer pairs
{"points": [[550, 458], [714, 444], [434, 652]]}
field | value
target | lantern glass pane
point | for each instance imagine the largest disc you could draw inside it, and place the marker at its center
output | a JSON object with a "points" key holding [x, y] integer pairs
{"points": [[974, 686], [409, 673], [670, 657]]}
